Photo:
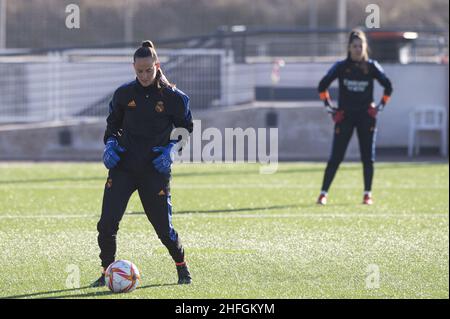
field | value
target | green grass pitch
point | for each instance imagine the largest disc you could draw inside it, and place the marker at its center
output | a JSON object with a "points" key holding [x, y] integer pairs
{"points": [[246, 235]]}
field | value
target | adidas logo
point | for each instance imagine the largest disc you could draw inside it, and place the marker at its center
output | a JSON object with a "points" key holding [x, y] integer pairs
{"points": [[132, 104]]}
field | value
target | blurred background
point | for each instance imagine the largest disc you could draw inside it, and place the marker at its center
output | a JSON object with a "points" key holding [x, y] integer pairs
{"points": [[244, 63]]}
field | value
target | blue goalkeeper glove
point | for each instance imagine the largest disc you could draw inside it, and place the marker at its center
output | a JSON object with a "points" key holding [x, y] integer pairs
{"points": [[163, 162], [110, 156]]}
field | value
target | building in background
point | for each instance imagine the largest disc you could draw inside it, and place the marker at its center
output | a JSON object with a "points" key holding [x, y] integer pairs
{"points": [[54, 80]]}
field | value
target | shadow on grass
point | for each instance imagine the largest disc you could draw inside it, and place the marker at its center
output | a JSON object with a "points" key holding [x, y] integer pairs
{"points": [[44, 293], [252, 209], [255, 171], [41, 295], [222, 172], [318, 169], [208, 211]]}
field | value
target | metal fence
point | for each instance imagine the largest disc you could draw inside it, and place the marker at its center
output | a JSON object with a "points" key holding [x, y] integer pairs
{"points": [[79, 83], [252, 44], [220, 69]]}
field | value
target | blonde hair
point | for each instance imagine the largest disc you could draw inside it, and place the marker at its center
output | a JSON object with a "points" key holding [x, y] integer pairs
{"points": [[358, 34]]}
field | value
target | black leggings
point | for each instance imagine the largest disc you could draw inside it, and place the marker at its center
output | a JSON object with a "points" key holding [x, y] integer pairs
{"points": [[366, 129], [154, 192]]}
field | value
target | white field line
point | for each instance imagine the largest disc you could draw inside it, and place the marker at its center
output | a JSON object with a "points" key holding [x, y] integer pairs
{"points": [[233, 215], [218, 186]]}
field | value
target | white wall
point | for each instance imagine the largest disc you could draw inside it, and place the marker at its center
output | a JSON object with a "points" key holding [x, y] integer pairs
{"points": [[415, 86], [81, 84]]}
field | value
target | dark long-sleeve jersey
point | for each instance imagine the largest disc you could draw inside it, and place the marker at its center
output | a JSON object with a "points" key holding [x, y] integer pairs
{"points": [[142, 118], [355, 83]]}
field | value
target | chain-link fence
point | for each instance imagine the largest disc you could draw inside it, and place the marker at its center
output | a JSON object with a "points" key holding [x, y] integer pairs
{"points": [[221, 69], [80, 83]]}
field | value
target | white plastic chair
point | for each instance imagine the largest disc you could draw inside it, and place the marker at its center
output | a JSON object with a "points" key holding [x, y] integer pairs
{"points": [[432, 118]]}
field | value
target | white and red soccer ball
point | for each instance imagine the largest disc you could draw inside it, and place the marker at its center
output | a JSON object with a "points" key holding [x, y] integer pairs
{"points": [[122, 276]]}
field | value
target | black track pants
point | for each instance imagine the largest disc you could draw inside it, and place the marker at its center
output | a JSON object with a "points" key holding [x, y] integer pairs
{"points": [[154, 192], [366, 130]]}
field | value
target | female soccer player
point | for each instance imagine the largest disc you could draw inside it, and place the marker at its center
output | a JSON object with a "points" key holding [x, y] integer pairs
{"points": [[356, 109], [139, 154]]}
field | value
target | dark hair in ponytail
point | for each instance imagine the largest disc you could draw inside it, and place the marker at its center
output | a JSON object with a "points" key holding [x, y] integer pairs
{"points": [[147, 44], [147, 50]]}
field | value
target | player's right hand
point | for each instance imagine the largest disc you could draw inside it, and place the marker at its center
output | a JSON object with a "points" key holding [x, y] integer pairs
{"points": [[338, 116], [110, 156]]}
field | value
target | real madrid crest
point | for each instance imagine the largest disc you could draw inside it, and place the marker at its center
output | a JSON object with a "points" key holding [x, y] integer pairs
{"points": [[159, 106]]}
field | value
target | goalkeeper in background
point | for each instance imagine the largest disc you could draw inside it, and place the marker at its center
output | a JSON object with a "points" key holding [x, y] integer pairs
{"points": [[139, 154], [355, 109]]}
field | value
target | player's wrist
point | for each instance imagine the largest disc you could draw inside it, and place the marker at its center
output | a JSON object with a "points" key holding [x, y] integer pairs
{"points": [[172, 144], [380, 106], [173, 148], [325, 95], [330, 108], [111, 141]]}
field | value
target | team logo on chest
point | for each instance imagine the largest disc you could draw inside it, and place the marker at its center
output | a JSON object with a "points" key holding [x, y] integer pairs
{"points": [[365, 68], [159, 107]]}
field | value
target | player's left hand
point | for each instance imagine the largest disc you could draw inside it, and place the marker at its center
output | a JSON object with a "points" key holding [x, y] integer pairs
{"points": [[163, 162], [373, 110]]}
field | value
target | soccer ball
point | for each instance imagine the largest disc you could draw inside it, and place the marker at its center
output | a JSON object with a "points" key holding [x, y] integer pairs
{"points": [[122, 276]]}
